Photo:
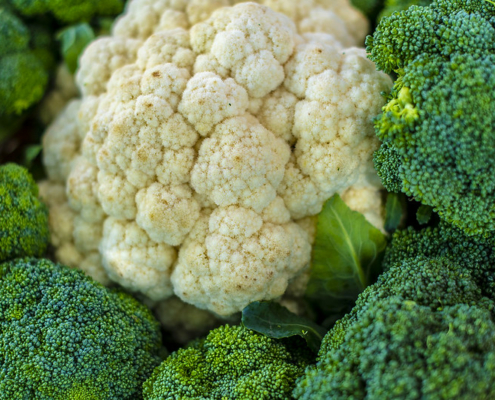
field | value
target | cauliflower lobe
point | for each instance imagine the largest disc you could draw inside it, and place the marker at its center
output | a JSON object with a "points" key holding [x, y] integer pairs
{"points": [[205, 131]]}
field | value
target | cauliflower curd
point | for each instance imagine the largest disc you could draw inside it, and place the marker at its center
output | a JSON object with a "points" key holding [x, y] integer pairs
{"points": [[204, 138]]}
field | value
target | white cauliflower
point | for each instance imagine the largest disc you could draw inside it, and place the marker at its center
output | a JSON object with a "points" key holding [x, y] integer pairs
{"points": [[203, 135], [54, 101]]}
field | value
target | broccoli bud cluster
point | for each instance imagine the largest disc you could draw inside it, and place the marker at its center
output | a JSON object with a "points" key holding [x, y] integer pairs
{"points": [[65, 336], [437, 128], [425, 330]]}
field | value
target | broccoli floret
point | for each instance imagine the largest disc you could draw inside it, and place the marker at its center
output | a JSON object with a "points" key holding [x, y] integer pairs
{"points": [[424, 330], [14, 34], [23, 66], [22, 83], [475, 254], [445, 28], [69, 11], [398, 349], [387, 163], [437, 129], [419, 267], [65, 336], [232, 362], [23, 217]]}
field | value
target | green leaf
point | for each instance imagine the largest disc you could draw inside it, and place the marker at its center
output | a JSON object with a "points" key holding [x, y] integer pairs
{"points": [[30, 153], [346, 256], [74, 40], [394, 210], [275, 321], [423, 214]]}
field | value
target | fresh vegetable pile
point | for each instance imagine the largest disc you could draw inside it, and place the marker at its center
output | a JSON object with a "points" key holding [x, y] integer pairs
{"points": [[247, 200]]}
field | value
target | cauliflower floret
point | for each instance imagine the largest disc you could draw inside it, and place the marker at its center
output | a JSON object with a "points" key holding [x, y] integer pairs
{"points": [[64, 90], [204, 134], [61, 143], [234, 258], [124, 247], [64, 231]]}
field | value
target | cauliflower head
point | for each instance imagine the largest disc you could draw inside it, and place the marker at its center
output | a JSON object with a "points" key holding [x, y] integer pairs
{"points": [[205, 131]]}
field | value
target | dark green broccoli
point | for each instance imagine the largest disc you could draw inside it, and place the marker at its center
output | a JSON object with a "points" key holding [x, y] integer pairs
{"points": [[232, 362], [23, 74], [474, 254], [424, 330], [28, 52], [398, 349], [69, 11], [65, 336], [444, 29], [23, 217], [437, 128]]}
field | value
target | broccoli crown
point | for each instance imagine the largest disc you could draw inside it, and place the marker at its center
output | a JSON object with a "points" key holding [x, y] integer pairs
{"points": [[22, 83], [450, 101], [437, 128], [397, 348], [69, 11], [474, 254], [14, 35], [24, 63], [232, 362], [424, 330], [445, 28], [23, 217], [65, 336]]}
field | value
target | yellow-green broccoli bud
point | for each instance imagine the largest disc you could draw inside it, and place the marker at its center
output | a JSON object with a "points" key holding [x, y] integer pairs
{"points": [[231, 363]]}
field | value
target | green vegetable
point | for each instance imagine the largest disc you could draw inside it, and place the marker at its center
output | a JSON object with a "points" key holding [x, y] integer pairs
{"points": [[65, 336], [30, 154], [23, 76], [346, 256], [424, 330], [277, 322], [68, 11], [74, 40], [423, 214], [398, 349], [437, 128], [232, 362], [475, 254], [395, 208], [23, 217]]}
